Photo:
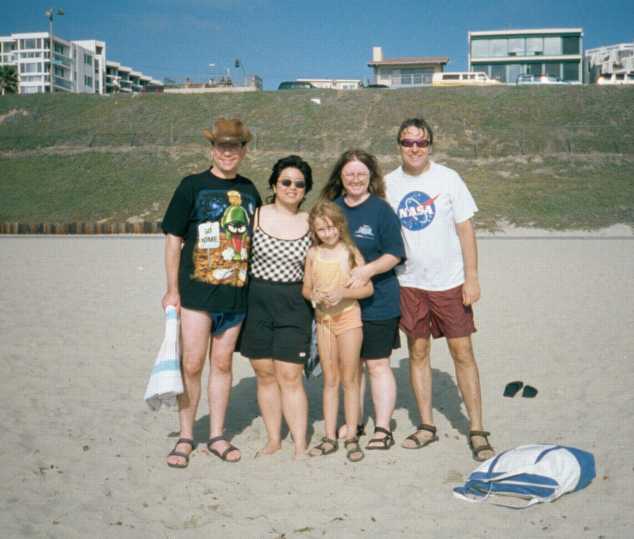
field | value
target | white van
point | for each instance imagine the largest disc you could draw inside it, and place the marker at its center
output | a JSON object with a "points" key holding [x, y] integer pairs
{"points": [[463, 78]]}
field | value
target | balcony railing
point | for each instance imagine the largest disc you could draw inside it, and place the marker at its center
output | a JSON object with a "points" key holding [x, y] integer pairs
{"points": [[61, 60], [63, 83]]}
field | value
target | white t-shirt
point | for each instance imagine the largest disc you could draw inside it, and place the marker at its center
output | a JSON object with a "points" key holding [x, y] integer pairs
{"points": [[429, 206]]}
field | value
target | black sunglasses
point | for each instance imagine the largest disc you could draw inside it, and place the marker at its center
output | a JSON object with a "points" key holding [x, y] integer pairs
{"points": [[299, 184], [410, 143]]}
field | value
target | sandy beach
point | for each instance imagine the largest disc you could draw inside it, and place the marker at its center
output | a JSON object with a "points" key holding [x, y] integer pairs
{"points": [[83, 455]]}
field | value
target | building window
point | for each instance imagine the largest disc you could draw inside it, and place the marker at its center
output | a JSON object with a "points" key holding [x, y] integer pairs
{"points": [[498, 47], [517, 46], [570, 44], [87, 81], [552, 46], [571, 71], [552, 69], [88, 59], [28, 43], [534, 46], [498, 72], [480, 48], [534, 69], [31, 68], [514, 71]]}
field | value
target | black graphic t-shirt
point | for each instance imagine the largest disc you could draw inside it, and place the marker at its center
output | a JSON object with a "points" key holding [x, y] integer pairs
{"points": [[214, 217]]}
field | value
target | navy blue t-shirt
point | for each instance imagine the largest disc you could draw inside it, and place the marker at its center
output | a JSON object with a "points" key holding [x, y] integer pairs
{"points": [[376, 231]]}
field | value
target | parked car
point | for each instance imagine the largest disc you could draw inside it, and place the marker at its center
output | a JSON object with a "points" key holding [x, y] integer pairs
{"points": [[465, 78], [295, 85], [376, 86], [616, 78], [526, 78]]}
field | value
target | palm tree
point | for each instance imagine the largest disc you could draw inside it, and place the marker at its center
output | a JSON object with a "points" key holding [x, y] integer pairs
{"points": [[8, 80]]}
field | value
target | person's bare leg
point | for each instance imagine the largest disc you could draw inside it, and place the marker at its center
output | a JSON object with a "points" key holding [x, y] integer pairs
{"points": [[343, 430], [468, 379], [289, 376], [270, 403], [195, 326], [328, 358], [421, 381], [383, 388], [219, 388], [349, 346]]}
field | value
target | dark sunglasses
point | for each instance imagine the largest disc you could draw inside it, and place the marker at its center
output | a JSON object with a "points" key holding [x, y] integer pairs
{"points": [[512, 389], [410, 143], [299, 184]]}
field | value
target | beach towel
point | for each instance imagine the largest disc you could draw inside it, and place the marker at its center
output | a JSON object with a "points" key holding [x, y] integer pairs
{"points": [[531, 474], [313, 367], [165, 382]]}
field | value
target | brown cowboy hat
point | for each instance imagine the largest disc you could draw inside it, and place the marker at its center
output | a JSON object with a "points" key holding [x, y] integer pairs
{"points": [[224, 130]]}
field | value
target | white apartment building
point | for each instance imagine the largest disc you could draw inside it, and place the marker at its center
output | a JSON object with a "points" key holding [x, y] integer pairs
{"points": [[78, 66], [611, 62]]}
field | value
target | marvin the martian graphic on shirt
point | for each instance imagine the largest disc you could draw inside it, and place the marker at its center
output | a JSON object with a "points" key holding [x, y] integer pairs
{"points": [[222, 250]]}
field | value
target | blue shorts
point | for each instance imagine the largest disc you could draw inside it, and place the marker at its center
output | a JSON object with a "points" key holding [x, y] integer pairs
{"points": [[221, 322]]}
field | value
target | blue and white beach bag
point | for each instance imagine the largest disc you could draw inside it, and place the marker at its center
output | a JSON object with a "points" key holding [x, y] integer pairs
{"points": [[166, 382], [531, 473]]}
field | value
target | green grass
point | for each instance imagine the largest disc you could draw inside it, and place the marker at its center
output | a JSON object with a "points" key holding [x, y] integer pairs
{"points": [[554, 157]]}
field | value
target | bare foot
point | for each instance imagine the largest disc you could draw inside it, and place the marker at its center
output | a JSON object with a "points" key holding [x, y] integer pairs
{"points": [[300, 454], [342, 432], [269, 449]]}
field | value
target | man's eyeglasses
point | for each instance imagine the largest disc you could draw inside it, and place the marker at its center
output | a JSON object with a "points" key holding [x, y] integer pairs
{"points": [[410, 143], [299, 184]]}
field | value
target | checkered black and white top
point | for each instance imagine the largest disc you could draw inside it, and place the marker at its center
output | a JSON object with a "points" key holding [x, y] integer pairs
{"points": [[278, 260]]}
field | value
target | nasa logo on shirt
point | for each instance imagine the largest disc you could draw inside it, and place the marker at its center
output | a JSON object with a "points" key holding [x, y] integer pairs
{"points": [[417, 210]]}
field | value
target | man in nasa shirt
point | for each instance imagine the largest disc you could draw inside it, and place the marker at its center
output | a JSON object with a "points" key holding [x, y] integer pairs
{"points": [[439, 279]]}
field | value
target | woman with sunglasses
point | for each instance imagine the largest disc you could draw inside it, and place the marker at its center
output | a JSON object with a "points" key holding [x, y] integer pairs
{"points": [[277, 332], [356, 185]]}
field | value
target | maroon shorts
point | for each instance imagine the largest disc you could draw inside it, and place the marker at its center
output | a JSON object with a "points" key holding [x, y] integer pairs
{"points": [[439, 314]]}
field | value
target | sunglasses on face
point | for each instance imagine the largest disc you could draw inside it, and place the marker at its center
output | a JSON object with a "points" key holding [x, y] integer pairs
{"points": [[229, 146], [299, 184], [410, 143]]}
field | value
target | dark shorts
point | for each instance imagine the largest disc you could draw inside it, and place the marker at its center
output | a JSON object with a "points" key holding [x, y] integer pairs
{"points": [[221, 322], [437, 314], [278, 324], [380, 337]]}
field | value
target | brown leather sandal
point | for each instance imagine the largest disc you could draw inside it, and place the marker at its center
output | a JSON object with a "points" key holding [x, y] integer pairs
{"points": [[223, 455], [476, 450], [416, 440], [174, 453]]}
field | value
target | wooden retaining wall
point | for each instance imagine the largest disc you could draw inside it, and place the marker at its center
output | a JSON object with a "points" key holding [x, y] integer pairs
{"points": [[145, 227]]}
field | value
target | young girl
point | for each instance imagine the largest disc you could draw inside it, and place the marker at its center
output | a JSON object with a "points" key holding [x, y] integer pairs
{"points": [[338, 316]]}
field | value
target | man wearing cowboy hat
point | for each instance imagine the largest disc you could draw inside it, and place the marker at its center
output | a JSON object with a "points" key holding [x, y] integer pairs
{"points": [[206, 275]]}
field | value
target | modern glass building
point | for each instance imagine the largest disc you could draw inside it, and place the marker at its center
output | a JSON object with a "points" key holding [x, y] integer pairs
{"points": [[506, 54]]}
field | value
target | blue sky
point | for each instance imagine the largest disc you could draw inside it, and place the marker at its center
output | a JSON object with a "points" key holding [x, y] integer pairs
{"points": [[283, 40]]}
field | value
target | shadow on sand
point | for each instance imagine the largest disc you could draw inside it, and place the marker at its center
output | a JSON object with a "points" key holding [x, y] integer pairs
{"points": [[243, 407]]}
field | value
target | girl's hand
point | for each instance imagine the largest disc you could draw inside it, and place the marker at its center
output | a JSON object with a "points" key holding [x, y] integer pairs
{"points": [[333, 297]]}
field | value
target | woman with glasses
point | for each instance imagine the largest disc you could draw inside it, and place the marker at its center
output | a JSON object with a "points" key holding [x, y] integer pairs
{"points": [[277, 331], [356, 185]]}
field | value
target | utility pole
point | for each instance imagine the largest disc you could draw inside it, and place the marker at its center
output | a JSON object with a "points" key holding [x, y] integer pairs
{"points": [[50, 13]]}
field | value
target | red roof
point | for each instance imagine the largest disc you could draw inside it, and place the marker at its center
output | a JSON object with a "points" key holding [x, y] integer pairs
{"points": [[408, 60]]}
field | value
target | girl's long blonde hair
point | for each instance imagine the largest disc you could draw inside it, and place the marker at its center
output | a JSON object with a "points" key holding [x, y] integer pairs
{"points": [[325, 209]]}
